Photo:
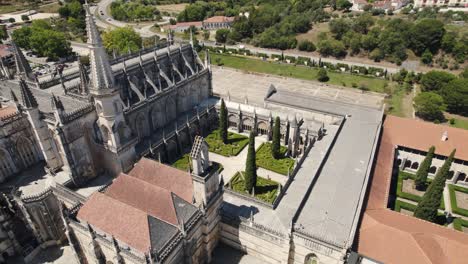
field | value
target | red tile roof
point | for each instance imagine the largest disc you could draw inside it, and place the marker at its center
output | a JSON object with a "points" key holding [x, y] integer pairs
{"points": [[422, 135], [197, 24], [391, 237], [126, 223], [7, 111], [123, 209], [164, 176], [142, 195], [218, 19]]}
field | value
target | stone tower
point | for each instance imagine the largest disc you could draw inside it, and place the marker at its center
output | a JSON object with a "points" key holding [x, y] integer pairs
{"points": [[116, 134], [41, 132]]}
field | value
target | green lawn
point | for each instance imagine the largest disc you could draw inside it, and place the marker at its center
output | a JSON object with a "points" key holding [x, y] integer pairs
{"points": [[459, 223], [412, 197], [265, 160], [460, 123], [265, 190], [183, 163], [233, 148], [453, 199], [395, 103], [300, 72]]}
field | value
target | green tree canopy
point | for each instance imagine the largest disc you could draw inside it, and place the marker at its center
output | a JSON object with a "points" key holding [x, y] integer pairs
{"points": [[429, 106], [250, 165], [435, 80], [306, 45], [121, 40], [427, 34], [223, 122], [429, 204], [455, 94], [423, 171], [222, 35], [276, 144], [322, 75]]}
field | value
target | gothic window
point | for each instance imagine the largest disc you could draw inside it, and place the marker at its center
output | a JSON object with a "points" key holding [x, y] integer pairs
{"points": [[116, 107], [104, 134], [247, 124], [232, 121], [171, 110], [311, 259], [262, 128], [121, 131], [26, 151], [5, 165], [141, 126], [157, 118]]}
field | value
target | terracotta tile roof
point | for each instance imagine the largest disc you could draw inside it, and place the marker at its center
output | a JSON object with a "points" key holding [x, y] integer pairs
{"points": [[422, 135], [391, 237], [164, 176], [197, 24], [218, 19], [142, 195], [5, 50], [124, 222], [6, 111]]}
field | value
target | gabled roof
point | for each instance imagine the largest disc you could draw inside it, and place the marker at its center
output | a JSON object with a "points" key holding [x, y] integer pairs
{"points": [[164, 176], [218, 19], [125, 222], [6, 111]]}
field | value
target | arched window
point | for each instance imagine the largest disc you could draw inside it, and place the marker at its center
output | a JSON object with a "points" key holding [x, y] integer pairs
{"points": [[26, 151], [5, 166], [433, 169], [262, 128], [415, 165], [311, 259], [140, 126], [407, 163]]}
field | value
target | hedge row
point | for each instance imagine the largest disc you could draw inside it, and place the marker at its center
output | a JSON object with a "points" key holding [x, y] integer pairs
{"points": [[453, 199], [402, 175], [339, 67], [459, 223]]}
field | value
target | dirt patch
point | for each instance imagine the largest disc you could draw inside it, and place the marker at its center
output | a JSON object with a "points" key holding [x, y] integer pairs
{"points": [[408, 187], [312, 34], [465, 229], [462, 200], [406, 212], [175, 8]]}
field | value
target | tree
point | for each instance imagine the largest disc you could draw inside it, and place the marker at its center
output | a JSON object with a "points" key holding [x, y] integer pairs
{"points": [[275, 148], [435, 80], [427, 34], [322, 75], [430, 202], [455, 94], [221, 35], [206, 34], [426, 57], [121, 40], [464, 73], [339, 27], [429, 106], [223, 122], [423, 171], [343, 5], [25, 17], [306, 45], [250, 165]]}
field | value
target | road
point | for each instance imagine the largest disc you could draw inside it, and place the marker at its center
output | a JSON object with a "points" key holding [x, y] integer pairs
{"points": [[105, 20]]}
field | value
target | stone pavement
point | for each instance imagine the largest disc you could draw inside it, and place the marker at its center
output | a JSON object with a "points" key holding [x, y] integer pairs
{"points": [[234, 164]]}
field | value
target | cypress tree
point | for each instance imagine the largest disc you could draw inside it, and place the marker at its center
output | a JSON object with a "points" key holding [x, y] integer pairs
{"points": [[223, 124], [423, 171], [427, 207], [275, 147], [250, 166]]}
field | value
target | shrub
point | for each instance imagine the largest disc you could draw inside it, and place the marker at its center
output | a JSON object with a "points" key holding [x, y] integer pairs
{"points": [[306, 45], [322, 75], [250, 165]]}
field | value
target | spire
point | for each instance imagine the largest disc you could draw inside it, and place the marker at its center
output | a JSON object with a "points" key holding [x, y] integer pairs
{"points": [[191, 37], [101, 72], [29, 101], [56, 103], [22, 65], [84, 79], [13, 96]]}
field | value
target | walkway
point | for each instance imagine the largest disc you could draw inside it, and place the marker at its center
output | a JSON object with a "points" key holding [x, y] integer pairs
{"points": [[234, 164]]}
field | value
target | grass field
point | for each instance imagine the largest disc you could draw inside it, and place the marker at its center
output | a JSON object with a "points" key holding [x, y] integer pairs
{"points": [[395, 103], [183, 163], [172, 9], [265, 160], [460, 123], [265, 189], [409, 196], [453, 199], [49, 8], [293, 71], [236, 143]]}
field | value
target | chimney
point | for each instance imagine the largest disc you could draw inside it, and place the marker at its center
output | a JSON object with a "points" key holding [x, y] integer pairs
{"points": [[444, 136]]}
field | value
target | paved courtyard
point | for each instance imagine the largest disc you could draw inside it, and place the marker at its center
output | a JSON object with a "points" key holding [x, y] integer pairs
{"points": [[254, 86]]}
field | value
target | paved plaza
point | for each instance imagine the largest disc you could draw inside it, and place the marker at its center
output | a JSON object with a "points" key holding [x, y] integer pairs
{"points": [[254, 86]]}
